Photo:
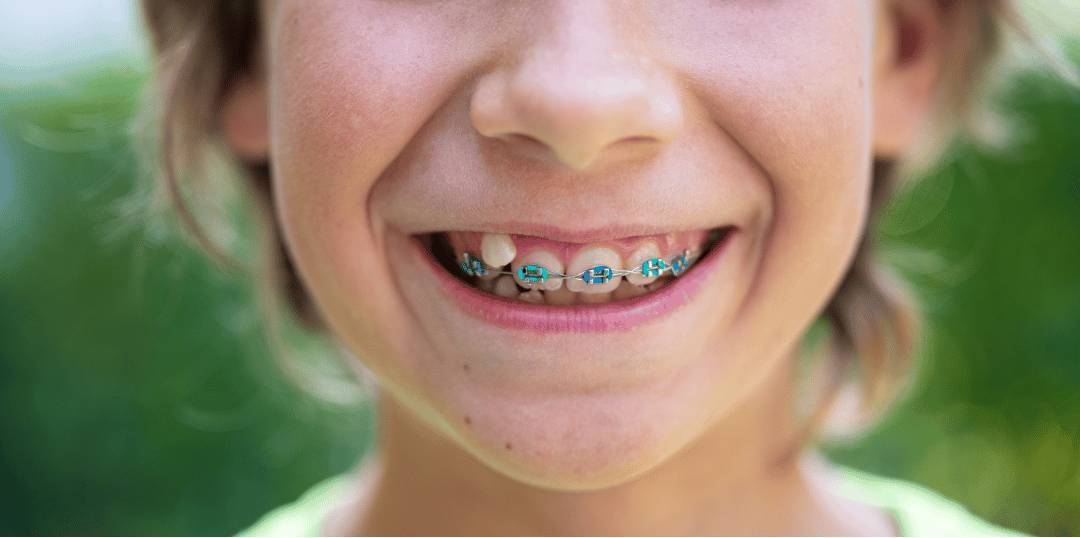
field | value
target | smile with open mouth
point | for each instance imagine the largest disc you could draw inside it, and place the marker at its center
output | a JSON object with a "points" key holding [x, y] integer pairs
{"points": [[528, 282]]}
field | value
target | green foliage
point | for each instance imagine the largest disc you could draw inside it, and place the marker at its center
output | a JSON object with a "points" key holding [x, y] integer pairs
{"points": [[136, 393], [992, 242]]}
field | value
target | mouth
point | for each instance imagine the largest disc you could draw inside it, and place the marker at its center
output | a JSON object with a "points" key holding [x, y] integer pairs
{"points": [[529, 282]]}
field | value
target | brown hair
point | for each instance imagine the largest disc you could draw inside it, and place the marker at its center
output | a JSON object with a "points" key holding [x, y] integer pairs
{"points": [[873, 325]]}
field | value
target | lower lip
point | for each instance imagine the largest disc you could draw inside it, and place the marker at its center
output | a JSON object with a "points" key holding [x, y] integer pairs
{"points": [[621, 315]]}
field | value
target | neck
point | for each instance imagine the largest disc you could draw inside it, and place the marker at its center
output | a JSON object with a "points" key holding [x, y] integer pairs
{"points": [[730, 480]]}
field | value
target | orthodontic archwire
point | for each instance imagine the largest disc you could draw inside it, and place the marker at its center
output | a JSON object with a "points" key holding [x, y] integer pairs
{"points": [[598, 274]]}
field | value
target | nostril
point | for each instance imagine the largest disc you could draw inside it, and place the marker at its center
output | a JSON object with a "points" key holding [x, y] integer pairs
{"points": [[530, 145], [527, 145]]}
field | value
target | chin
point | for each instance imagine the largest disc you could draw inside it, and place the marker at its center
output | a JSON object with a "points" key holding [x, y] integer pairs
{"points": [[577, 435], [577, 443]]}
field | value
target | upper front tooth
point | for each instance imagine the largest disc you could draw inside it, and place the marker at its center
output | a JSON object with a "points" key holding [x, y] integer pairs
{"points": [[540, 258], [644, 253], [594, 258], [497, 250]]}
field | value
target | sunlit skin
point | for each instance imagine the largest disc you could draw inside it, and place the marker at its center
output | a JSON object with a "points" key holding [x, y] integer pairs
{"points": [[383, 119]]}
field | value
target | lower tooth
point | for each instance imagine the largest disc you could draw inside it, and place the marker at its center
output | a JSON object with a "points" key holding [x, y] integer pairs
{"points": [[506, 287], [594, 298], [532, 296], [487, 285], [658, 284], [561, 296], [626, 290]]}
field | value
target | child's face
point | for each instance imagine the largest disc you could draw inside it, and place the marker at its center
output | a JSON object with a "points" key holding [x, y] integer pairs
{"points": [[582, 125]]}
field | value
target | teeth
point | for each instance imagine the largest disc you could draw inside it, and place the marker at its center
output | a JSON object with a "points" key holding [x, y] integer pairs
{"points": [[626, 290], [491, 274], [505, 287], [589, 258], [532, 296], [658, 284], [595, 298], [538, 274], [541, 258], [497, 250], [641, 255], [562, 296]]}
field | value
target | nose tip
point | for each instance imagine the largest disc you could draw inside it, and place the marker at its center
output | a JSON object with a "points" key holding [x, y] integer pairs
{"points": [[572, 111]]}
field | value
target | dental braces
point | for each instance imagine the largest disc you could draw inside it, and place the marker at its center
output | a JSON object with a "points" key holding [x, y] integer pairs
{"points": [[598, 274]]}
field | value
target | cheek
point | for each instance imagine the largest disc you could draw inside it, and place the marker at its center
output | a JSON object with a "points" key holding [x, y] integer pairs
{"points": [[820, 162], [811, 137], [344, 102], [816, 154], [817, 157], [789, 85], [343, 105], [793, 95]]}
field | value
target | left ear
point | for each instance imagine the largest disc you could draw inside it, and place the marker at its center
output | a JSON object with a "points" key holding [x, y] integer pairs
{"points": [[910, 48], [243, 118]]}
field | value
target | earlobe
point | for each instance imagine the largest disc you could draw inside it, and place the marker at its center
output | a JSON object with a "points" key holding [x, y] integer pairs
{"points": [[908, 61], [243, 119]]}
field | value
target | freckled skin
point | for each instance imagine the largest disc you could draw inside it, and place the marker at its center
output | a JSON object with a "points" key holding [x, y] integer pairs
{"points": [[394, 118]]}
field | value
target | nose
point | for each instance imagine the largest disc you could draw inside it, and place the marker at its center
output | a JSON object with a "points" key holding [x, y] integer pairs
{"points": [[578, 90]]}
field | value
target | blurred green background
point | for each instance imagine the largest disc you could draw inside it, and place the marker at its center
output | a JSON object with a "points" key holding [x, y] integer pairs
{"points": [[136, 396]]}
